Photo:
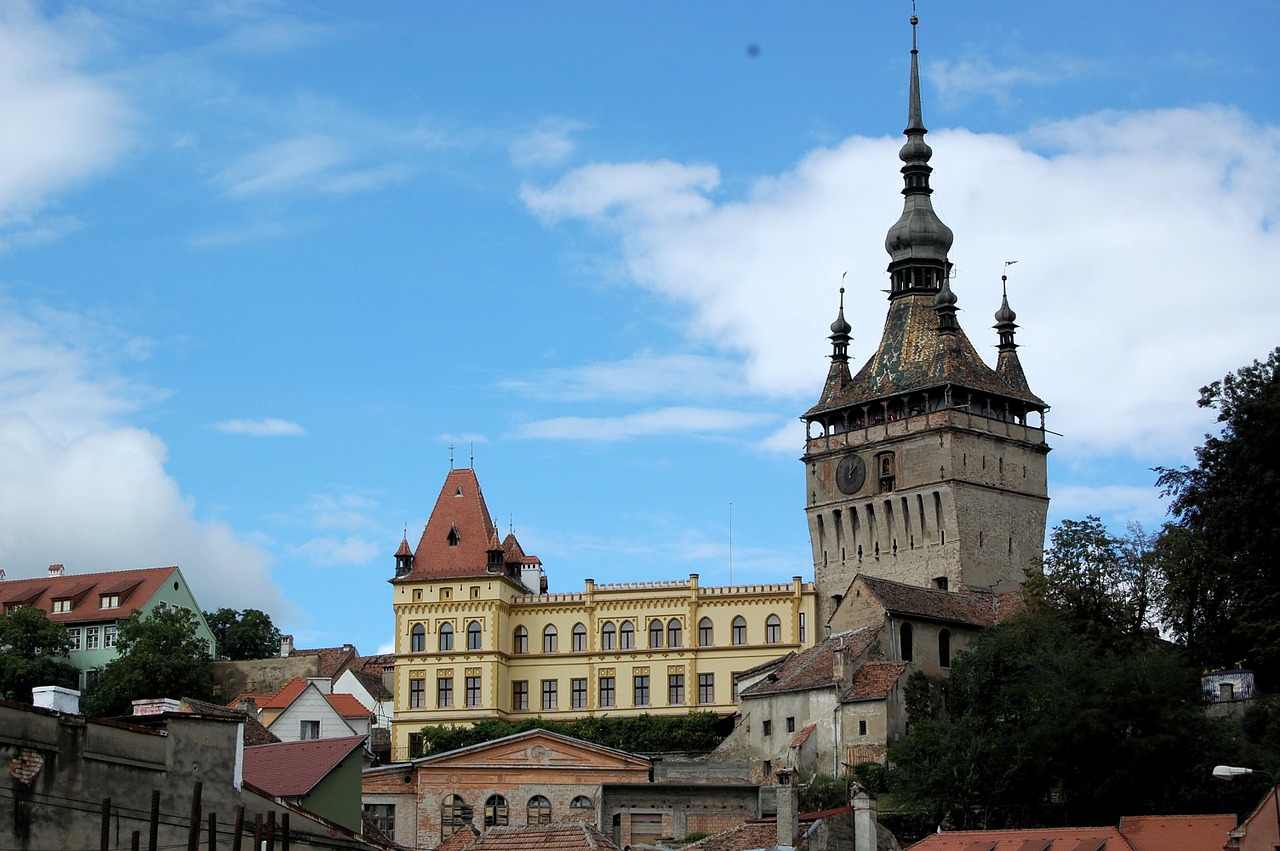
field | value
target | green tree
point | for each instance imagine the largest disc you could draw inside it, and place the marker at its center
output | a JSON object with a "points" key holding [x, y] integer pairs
{"points": [[247, 634], [1221, 561], [33, 652], [1045, 726], [160, 655]]}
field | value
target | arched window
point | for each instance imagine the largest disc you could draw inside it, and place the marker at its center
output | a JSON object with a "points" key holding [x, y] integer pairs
{"points": [[446, 637], [655, 633], [904, 643], [418, 639], [627, 636], [582, 810], [495, 812], [608, 636], [549, 639], [582, 802], [539, 810], [739, 631], [579, 638], [944, 648], [772, 630], [706, 634], [521, 642], [675, 634], [453, 813], [473, 635]]}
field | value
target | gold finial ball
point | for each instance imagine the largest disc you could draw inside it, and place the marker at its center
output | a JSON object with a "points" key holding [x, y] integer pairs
{"points": [[914, 20]]}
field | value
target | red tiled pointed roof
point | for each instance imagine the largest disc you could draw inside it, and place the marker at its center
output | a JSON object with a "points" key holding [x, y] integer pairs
{"points": [[1178, 833], [287, 694], [874, 681], [348, 706], [458, 535], [290, 769], [404, 548], [84, 589], [460, 839]]}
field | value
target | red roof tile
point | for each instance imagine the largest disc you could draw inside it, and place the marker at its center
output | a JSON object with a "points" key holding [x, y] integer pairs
{"points": [[968, 605], [815, 667], [1057, 838], [254, 732], [803, 735], [1178, 833], [84, 589], [460, 839], [290, 769], [754, 834], [874, 681], [332, 660], [287, 694], [348, 706], [550, 837]]}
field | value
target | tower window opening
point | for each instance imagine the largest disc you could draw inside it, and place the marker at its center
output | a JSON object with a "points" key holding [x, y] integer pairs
{"points": [[904, 643], [1010, 545]]}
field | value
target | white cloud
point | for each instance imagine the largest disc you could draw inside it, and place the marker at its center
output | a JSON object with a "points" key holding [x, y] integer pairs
{"points": [[78, 487], [1140, 237], [676, 420], [645, 376], [979, 76], [340, 551], [269, 427], [60, 125], [548, 144]]}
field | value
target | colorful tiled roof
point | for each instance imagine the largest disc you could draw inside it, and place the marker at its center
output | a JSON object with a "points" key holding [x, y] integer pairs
{"points": [[134, 587], [549, 837], [1032, 839], [815, 667], [968, 605], [292, 769], [459, 534], [1178, 833], [743, 837], [874, 681]]}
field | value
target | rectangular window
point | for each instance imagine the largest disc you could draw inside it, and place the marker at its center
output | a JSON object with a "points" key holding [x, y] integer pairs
{"points": [[91, 638], [549, 640], [74, 635], [767, 728], [862, 726], [110, 601], [109, 635], [61, 606], [578, 690], [520, 695], [444, 692], [473, 691], [675, 689], [641, 690], [548, 694], [734, 679], [803, 630], [705, 635], [475, 592], [309, 730], [606, 692], [706, 689], [417, 693], [382, 817], [791, 725]]}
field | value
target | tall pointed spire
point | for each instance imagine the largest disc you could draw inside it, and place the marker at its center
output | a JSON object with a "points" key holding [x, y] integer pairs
{"points": [[919, 241], [838, 376]]}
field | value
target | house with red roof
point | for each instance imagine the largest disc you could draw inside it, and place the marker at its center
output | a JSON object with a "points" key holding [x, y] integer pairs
{"points": [[91, 606], [308, 709], [1211, 832], [319, 775]]}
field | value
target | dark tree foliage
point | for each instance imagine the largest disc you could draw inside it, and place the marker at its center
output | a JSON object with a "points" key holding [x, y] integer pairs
{"points": [[160, 655], [249, 634], [33, 652], [697, 732], [1221, 560], [1046, 727]]}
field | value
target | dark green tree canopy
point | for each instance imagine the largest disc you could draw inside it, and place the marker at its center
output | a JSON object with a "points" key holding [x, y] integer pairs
{"points": [[33, 652], [160, 655], [247, 634]]}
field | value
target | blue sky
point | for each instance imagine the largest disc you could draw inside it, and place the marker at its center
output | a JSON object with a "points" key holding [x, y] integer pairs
{"points": [[261, 264]]}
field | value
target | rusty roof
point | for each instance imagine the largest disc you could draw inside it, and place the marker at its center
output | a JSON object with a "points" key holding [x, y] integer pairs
{"points": [[743, 837], [815, 667], [1178, 833], [134, 587], [547, 837], [290, 769], [978, 607], [459, 839], [1031, 839], [874, 681], [332, 661]]}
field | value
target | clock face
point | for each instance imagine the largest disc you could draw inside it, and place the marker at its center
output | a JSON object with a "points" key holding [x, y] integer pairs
{"points": [[850, 474]]}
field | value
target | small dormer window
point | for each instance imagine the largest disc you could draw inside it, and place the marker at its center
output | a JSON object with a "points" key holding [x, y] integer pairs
{"points": [[110, 601], [61, 606], [453, 536], [458, 492]]}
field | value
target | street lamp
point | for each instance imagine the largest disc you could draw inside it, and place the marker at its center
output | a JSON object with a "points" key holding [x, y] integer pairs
{"points": [[1227, 772]]}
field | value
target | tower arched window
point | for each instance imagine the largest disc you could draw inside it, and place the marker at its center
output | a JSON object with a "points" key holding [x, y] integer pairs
{"points": [[539, 811], [627, 636], [495, 812], [675, 634], [739, 631], [446, 637], [520, 645], [608, 636], [418, 639], [549, 643], [944, 648], [473, 635], [579, 638], [772, 630], [655, 633], [706, 633], [904, 643]]}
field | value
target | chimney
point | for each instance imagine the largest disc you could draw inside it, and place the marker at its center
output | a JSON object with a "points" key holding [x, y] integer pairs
{"points": [[248, 705], [56, 570], [788, 807], [286, 646], [155, 706], [57, 698], [864, 819]]}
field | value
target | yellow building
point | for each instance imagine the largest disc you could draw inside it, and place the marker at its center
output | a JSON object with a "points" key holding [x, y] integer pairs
{"points": [[478, 636]]}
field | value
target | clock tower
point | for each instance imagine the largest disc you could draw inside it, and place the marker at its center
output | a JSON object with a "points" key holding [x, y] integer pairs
{"points": [[927, 466]]}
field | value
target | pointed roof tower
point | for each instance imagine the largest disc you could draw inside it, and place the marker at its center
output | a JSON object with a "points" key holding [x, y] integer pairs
{"points": [[1008, 366], [925, 359]]}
